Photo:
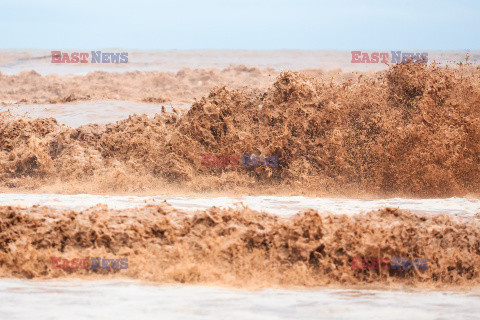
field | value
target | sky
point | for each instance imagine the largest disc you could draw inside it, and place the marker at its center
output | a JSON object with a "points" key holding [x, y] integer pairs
{"points": [[240, 24]]}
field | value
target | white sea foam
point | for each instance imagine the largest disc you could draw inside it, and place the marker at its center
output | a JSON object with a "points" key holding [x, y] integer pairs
{"points": [[272, 204], [22, 299]]}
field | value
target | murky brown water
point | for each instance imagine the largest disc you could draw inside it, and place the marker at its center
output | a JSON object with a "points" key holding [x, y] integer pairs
{"points": [[147, 93]]}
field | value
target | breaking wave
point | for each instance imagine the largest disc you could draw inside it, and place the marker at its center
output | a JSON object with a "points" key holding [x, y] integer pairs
{"points": [[240, 247], [413, 130]]}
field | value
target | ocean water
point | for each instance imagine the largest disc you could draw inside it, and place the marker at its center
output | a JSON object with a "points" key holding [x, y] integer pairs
{"points": [[15, 61], [21, 299], [272, 204], [128, 299], [76, 114]]}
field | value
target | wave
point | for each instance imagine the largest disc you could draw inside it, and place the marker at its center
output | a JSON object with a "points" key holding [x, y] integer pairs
{"points": [[240, 247], [147, 86], [413, 130]]}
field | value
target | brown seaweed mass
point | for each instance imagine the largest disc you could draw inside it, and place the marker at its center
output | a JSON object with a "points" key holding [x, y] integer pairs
{"points": [[240, 247], [413, 130]]}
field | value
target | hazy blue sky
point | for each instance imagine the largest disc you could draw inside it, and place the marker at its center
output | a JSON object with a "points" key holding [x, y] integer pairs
{"points": [[240, 24]]}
